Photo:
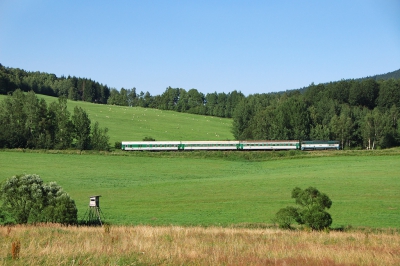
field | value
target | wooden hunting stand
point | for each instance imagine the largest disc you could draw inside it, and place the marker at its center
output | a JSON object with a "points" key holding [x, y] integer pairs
{"points": [[94, 215]]}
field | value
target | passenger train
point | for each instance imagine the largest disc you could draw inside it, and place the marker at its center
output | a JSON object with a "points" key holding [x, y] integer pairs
{"points": [[248, 145]]}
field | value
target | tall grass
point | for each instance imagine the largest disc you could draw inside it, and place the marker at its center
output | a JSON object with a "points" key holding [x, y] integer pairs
{"points": [[175, 245]]}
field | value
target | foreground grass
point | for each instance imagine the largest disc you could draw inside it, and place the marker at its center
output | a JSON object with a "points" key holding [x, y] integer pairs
{"points": [[175, 245], [219, 190]]}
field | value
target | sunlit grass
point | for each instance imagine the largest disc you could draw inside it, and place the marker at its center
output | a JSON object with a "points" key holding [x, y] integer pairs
{"points": [[176, 245], [181, 189], [135, 123]]}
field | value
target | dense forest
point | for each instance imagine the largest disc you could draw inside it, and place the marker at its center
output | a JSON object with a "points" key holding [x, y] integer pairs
{"points": [[356, 113], [360, 113], [73, 88]]}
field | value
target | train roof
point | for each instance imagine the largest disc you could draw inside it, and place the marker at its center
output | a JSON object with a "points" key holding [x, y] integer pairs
{"points": [[269, 141], [320, 142]]}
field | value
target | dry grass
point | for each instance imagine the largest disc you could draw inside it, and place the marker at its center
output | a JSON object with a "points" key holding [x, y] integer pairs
{"points": [[144, 245]]}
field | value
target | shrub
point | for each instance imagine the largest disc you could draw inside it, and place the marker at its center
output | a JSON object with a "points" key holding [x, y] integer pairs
{"points": [[311, 212], [118, 145], [28, 200], [286, 216]]}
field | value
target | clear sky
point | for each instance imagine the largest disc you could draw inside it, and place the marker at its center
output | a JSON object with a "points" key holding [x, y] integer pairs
{"points": [[249, 46]]}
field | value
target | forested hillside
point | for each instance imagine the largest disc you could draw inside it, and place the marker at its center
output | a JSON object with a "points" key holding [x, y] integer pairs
{"points": [[73, 88], [360, 113], [357, 113], [389, 75]]}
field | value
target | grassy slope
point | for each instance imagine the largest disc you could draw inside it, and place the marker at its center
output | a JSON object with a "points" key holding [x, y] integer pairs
{"points": [[196, 191], [135, 123]]}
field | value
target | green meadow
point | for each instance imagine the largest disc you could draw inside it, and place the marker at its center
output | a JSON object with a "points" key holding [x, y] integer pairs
{"points": [[135, 123], [175, 190], [217, 188]]}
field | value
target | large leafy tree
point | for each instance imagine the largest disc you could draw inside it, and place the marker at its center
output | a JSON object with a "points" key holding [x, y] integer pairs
{"points": [[81, 122], [311, 211], [29, 200], [364, 93], [169, 99], [342, 126], [389, 94], [99, 139], [59, 124], [241, 126], [13, 121]]}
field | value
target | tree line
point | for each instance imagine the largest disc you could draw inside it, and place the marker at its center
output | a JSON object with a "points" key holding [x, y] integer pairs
{"points": [[358, 113], [73, 88], [180, 100], [28, 122], [82, 89]]}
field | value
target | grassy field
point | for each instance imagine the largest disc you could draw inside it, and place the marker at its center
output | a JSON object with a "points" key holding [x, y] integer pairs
{"points": [[210, 189], [135, 123], [172, 245], [182, 189]]}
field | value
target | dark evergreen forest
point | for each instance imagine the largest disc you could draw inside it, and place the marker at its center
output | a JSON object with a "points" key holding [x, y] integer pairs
{"points": [[360, 113]]}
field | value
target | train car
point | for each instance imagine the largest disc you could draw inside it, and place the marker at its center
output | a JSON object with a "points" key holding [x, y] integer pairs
{"points": [[270, 145], [210, 145], [320, 145], [229, 145], [151, 145]]}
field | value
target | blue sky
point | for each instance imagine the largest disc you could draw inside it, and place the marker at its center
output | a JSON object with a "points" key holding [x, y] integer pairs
{"points": [[248, 46]]}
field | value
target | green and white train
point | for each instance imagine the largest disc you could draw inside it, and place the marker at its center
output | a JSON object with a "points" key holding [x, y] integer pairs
{"points": [[249, 145]]}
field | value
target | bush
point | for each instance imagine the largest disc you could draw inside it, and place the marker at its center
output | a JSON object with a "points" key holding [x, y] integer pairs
{"points": [[316, 218], [5, 218], [28, 200], [311, 212], [118, 145], [286, 216]]}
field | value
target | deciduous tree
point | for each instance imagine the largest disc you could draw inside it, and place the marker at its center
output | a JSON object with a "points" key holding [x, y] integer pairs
{"points": [[81, 122], [311, 211], [29, 200], [99, 140]]}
